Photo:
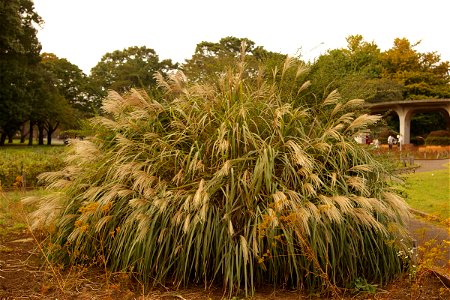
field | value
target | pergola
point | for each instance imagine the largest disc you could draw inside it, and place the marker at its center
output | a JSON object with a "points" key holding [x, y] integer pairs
{"points": [[407, 108]]}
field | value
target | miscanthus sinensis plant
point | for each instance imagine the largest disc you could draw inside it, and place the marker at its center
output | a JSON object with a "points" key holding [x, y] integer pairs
{"points": [[238, 182]]}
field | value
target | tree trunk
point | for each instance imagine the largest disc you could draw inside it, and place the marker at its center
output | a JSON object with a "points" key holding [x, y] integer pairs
{"points": [[50, 130], [40, 133], [2, 139], [23, 133], [49, 137], [30, 132], [10, 138]]}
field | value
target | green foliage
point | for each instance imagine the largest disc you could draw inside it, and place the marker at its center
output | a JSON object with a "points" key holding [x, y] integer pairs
{"points": [[212, 60], [438, 138], [361, 285], [19, 53], [234, 181], [424, 123], [362, 70], [71, 83], [351, 70], [133, 67], [423, 75], [29, 161]]}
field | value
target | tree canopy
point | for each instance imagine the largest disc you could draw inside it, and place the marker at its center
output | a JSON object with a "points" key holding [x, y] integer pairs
{"points": [[37, 89], [19, 54], [363, 70], [122, 70], [211, 60], [423, 75], [69, 80]]}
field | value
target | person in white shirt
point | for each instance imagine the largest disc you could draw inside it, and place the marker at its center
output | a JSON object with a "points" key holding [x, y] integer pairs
{"points": [[390, 141]]}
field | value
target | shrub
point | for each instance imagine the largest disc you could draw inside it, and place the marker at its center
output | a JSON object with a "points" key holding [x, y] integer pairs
{"points": [[439, 133], [231, 183], [418, 141], [437, 140], [16, 161]]}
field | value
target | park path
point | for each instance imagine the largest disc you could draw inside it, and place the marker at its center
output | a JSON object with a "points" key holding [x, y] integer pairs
{"points": [[427, 165]]}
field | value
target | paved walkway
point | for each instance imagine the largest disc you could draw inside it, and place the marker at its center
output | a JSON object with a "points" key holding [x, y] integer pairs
{"points": [[433, 239], [427, 165]]}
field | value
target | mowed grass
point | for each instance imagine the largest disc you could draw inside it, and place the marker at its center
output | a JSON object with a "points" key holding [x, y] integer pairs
{"points": [[430, 192]]}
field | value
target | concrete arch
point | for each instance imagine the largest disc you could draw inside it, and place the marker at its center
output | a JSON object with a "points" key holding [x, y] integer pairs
{"points": [[406, 109]]}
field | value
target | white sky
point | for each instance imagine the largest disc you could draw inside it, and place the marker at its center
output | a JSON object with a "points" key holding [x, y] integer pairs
{"points": [[82, 31]]}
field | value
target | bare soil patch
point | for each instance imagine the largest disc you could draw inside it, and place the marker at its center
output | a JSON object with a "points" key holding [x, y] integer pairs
{"points": [[24, 274]]}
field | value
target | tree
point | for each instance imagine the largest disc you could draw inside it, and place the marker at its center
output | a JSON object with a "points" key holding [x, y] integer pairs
{"points": [[423, 75], [19, 53], [352, 70], [59, 96], [131, 67], [212, 60], [70, 81]]}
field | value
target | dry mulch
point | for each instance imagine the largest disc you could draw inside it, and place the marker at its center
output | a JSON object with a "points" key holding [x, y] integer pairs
{"points": [[25, 275]]}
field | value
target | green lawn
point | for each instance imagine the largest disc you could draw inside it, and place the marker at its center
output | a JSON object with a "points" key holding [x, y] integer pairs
{"points": [[17, 160], [430, 192]]}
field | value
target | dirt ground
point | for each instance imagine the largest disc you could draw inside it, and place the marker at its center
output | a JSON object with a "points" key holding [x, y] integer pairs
{"points": [[24, 274]]}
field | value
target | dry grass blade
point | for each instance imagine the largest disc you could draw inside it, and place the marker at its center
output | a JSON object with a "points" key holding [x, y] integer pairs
{"points": [[332, 98], [362, 122]]}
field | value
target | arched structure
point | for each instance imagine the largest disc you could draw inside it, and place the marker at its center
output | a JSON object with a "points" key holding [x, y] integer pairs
{"points": [[407, 108]]}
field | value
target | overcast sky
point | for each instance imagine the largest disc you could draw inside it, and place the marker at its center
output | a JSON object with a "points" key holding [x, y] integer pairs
{"points": [[82, 31]]}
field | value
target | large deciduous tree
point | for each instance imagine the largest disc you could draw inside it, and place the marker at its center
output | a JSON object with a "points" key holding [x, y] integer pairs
{"points": [[212, 60], [57, 97], [19, 54], [70, 82], [423, 75], [353, 70], [122, 70]]}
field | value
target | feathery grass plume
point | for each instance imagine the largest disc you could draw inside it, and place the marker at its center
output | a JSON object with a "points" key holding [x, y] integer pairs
{"points": [[233, 182]]}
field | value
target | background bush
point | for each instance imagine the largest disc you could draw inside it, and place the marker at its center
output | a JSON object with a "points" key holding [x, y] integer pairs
{"points": [[439, 133], [29, 161], [418, 141], [238, 182], [437, 140]]}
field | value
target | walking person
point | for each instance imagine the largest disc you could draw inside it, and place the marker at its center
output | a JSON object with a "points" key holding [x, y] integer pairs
{"points": [[390, 141]]}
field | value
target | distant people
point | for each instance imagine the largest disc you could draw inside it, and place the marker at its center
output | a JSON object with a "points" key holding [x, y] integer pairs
{"points": [[400, 141], [390, 141], [376, 143]]}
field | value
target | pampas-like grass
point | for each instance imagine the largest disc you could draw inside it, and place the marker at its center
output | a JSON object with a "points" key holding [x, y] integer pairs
{"points": [[235, 182]]}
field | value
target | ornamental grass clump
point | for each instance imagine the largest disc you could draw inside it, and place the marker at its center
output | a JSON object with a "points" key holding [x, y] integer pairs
{"points": [[238, 183]]}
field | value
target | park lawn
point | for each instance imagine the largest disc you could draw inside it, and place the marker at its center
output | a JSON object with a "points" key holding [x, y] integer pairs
{"points": [[21, 160], [429, 192]]}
